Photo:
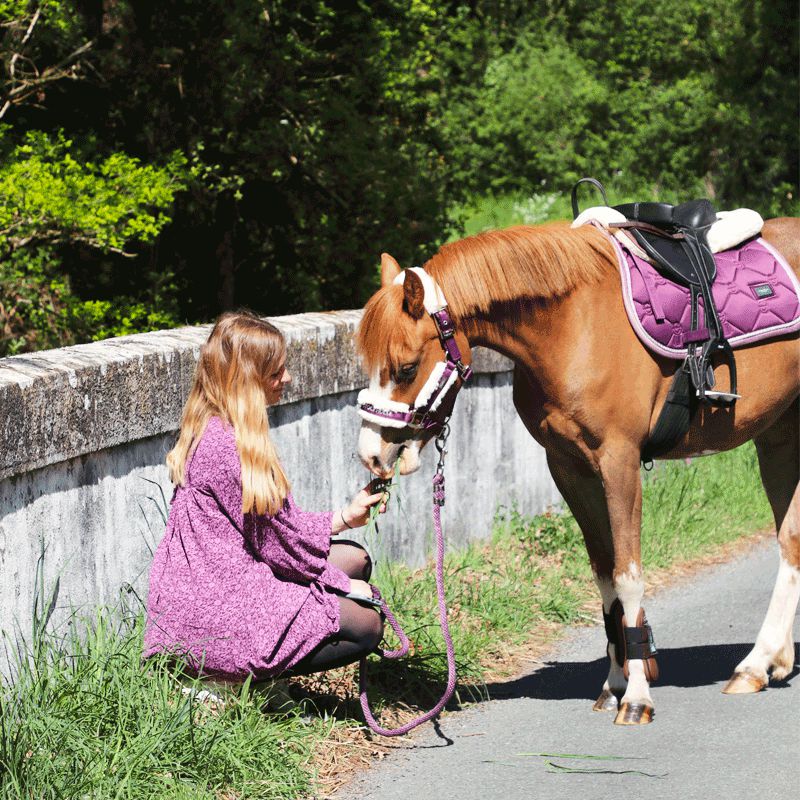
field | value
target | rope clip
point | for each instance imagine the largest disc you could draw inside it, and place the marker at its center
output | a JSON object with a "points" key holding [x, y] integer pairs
{"points": [[441, 442]]}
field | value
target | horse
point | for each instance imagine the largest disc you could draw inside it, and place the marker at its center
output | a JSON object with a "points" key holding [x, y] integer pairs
{"points": [[548, 297]]}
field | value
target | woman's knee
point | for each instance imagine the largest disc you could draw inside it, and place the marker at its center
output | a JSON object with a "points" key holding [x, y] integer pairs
{"points": [[375, 630], [352, 559], [360, 623]]}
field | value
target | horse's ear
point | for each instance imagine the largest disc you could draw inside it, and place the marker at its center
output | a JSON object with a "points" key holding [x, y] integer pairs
{"points": [[414, 300], [390, 269]]}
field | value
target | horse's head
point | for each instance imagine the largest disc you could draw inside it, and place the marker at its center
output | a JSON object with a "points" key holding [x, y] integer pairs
{"points": [[414, 359]]}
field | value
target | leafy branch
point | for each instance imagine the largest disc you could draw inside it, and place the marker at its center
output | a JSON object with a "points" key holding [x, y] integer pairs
{"points": [[23, 78]]}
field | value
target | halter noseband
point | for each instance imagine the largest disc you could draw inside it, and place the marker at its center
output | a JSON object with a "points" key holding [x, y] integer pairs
{"points": [[426, 412]]}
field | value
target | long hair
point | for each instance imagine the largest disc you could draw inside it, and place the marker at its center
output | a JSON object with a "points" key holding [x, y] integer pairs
{"points": [[242, 353]]}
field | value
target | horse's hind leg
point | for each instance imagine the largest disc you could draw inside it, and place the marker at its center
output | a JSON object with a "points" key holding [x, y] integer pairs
{"points": [[583, 492], [779, 460]]}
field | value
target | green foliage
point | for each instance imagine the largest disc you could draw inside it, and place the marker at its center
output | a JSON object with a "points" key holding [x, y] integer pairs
{"points": [[668, 95], [102, 319], [530, 120], [57, 18], [34, 303], [49, 195], [263, 152]]}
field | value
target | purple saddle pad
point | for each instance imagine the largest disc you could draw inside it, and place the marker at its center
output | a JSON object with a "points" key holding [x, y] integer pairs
{"points": [[756, 292]]}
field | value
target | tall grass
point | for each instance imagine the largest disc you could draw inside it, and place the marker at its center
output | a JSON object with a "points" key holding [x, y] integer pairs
{"points": [[691, 508], [83, 718], [535, 207]]}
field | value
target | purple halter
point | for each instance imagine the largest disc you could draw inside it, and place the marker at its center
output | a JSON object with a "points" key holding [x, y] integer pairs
{"points": [[429, 411]]}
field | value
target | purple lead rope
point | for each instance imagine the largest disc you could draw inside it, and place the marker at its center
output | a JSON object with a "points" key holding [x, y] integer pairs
{"points": [[438, 502]]}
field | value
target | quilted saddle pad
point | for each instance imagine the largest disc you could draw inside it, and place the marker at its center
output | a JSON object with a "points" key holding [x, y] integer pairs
{"points": [[756, 292]]}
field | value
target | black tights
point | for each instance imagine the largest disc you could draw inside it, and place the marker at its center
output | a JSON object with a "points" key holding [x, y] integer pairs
{"points": [[360, 625]]}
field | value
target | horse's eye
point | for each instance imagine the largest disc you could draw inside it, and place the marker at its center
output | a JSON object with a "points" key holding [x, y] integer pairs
{"points": [[407, 372]]}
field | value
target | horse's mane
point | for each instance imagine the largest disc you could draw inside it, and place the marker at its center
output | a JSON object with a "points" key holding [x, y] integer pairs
{"points": [[515, 265]]}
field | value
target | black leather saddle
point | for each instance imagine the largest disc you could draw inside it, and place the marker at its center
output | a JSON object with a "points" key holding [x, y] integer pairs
{"points": [[675, 239]]}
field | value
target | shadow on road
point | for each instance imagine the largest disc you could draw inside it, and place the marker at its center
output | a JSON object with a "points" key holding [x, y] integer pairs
{"points": [[679, 666]]}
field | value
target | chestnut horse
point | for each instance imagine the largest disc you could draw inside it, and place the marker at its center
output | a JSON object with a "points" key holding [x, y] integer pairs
{"points": [[548, 297]]}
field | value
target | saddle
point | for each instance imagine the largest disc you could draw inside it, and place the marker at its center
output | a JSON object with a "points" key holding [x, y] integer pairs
{"points": [[675, 240]]}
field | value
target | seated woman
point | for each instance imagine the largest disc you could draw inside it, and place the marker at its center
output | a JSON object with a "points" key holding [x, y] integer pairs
{"points": [[244, 582]]}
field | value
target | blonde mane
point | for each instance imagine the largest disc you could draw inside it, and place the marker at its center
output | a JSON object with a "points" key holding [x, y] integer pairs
{"points": [[517, 265]]}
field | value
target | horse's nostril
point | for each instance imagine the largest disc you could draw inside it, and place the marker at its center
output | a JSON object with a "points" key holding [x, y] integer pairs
{"points": [[376, 462]]}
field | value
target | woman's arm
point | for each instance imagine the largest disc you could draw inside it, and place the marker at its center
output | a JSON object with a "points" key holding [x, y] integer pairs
{"points": [[296, 545]]}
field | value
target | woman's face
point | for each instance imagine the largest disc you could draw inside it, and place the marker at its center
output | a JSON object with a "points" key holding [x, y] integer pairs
{"points": [[276, 381]]}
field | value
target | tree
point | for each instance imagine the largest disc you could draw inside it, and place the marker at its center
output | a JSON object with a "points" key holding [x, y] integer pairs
{"points": [[57, 196]]}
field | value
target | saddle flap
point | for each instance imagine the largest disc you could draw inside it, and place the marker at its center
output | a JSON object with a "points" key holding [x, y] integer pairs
{"points": [[670, 257]]}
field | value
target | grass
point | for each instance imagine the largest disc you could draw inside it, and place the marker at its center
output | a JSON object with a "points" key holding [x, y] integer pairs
{"points": [[533, 208], [84, 718]]}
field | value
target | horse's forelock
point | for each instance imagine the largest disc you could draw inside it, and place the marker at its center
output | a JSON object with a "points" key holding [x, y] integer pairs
{"points": [[385, 330]]}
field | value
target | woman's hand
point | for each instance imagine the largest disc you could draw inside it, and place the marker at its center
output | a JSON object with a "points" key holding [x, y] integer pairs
{"points": [[356, 513], [360, 588]]}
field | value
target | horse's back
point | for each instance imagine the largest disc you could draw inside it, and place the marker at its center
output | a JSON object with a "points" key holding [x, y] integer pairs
{"points": [[783, 233]]}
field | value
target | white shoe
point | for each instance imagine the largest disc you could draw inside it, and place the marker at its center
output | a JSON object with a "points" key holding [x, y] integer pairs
{"points": [[217, 691]]}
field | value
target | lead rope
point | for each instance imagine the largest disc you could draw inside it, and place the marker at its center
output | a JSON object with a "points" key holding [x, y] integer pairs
{"points": [[438, 502]]}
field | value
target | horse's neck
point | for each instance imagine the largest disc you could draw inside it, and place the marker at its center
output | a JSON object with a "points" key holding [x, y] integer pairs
{"points": [[530, 331], [506, 335]]}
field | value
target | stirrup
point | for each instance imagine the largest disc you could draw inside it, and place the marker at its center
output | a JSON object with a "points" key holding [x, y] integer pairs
{"points": [[721, 397]]}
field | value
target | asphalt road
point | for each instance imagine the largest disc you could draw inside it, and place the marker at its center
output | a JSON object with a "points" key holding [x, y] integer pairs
{"points": [[702, 744]]}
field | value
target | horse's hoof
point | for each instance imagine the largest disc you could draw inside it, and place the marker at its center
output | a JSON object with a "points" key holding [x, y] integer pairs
{"points": [[744, 683], [606, 702], [634, 714]]}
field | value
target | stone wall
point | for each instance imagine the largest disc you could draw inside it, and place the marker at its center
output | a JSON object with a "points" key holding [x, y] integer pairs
{"points": [[84, 431]]}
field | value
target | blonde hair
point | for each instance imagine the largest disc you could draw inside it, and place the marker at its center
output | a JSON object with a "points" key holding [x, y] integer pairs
{"points": [[242, 353]]}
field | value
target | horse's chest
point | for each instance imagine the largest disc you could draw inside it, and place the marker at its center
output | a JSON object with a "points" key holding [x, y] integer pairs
{"points": [[553, 427]]}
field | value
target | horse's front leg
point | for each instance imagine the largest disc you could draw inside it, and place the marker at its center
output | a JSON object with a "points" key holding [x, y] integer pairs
{"points": [[582, 490], [619, 469]]}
